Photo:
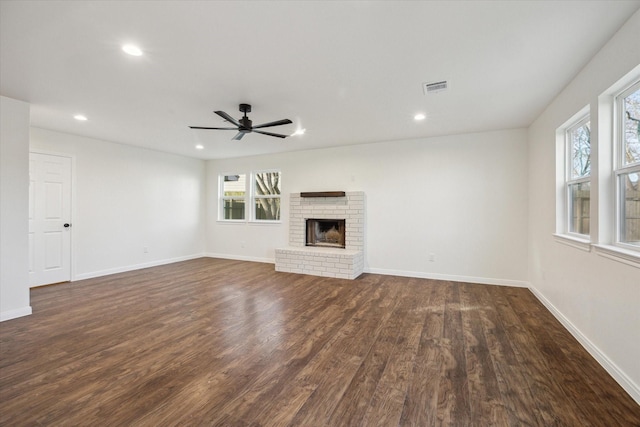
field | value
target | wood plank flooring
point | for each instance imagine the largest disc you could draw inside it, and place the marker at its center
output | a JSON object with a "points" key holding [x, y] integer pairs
{"points": [[230, 343]]}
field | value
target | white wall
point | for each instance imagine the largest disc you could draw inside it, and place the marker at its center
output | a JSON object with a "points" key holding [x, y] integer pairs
{"points": [[14, 209], [597, 298], [462, 198], [128, 198]]}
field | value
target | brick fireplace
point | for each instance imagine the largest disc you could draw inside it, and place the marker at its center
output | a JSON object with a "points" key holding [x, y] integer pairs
{"points": [[326, 259]]}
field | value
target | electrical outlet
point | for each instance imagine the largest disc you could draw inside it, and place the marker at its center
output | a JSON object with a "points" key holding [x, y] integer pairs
{"points": [[432, 257], [242, 243], [145, 250]]}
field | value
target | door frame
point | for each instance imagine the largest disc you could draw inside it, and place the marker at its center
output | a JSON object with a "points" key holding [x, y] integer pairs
{"points": [[74, 216]]}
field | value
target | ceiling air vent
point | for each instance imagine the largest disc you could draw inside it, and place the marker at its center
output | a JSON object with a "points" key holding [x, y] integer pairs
{"points": [[435, 87]]}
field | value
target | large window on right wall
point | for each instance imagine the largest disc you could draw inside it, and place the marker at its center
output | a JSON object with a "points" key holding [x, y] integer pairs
{"points": [[627, 167], [598, 174]]}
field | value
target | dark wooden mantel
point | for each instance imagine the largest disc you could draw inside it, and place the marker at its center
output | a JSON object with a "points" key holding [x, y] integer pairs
{"points": [[323, 194]]}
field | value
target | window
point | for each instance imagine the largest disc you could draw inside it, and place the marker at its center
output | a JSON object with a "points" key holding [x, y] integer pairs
{"points": [[627, 170], [266, 195], [233, 190], [602, 166], [263, 197], [578, 179]]}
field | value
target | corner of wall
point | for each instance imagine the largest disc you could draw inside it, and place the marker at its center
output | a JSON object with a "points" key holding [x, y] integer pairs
{"points": [[14, 209]]}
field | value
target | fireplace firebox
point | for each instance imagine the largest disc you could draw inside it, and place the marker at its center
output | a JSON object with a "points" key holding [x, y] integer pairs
{"points": [[326, 233]]}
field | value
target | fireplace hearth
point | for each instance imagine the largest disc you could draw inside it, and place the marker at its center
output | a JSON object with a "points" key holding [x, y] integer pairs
{"points": [[325, 233]]}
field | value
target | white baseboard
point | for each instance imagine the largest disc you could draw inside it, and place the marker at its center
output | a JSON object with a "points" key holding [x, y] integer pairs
{"points": [[134, 267], [449, 277], [14, 314], [625, 382], [241, 258], [386, 272]]}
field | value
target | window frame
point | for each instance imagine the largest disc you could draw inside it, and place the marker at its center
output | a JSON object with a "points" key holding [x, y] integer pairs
{"points": [[254, 197], [619, 167], [250, 197], [569, 180], [222, 198]]}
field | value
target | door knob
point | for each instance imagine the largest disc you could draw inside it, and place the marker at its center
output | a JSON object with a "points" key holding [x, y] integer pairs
{"points": [[67, 225]]}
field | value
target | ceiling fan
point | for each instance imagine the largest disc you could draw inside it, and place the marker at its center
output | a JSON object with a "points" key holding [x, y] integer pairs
{"points": [[244, 125]]}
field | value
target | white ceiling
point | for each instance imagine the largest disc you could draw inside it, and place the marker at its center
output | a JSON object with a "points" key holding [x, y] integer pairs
{"points": [[348, 72]]}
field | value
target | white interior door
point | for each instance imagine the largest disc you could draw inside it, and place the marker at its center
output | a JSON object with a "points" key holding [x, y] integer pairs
{"points": [[49, 219]]}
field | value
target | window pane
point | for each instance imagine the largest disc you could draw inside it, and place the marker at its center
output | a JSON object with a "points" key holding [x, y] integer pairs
{"points": [[268, 208], [233, 209], [580, 140], [631, 119], [267, 183], [234, 185], [579, 200], [630, 209]]}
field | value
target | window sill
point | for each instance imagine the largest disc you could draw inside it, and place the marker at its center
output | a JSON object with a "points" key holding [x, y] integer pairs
{"points": [[575, 242], [616, 253], [245, 222]]}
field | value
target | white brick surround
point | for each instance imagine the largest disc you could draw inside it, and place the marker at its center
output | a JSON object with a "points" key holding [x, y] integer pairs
{"points": [[347, 263]]}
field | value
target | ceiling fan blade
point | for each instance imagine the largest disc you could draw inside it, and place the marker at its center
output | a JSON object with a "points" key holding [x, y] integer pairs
{"points": [[276, 123], [200, 127], [239, 136], [227, 117], [270, 134]]}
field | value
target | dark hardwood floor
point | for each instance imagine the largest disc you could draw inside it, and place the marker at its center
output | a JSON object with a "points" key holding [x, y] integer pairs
{"points": [[231, 343]]}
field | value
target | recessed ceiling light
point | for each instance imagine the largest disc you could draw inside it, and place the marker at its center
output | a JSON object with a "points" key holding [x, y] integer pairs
{"points": [[299, 132], [199, 147], [80, 117], [132, 50], [419, 116]]}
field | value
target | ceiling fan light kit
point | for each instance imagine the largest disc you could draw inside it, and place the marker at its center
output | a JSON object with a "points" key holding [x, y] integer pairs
{"points": [[244, 125]]}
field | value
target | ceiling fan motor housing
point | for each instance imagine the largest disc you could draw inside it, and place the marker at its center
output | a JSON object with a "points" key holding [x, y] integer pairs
{"points": [[245, 124]]}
